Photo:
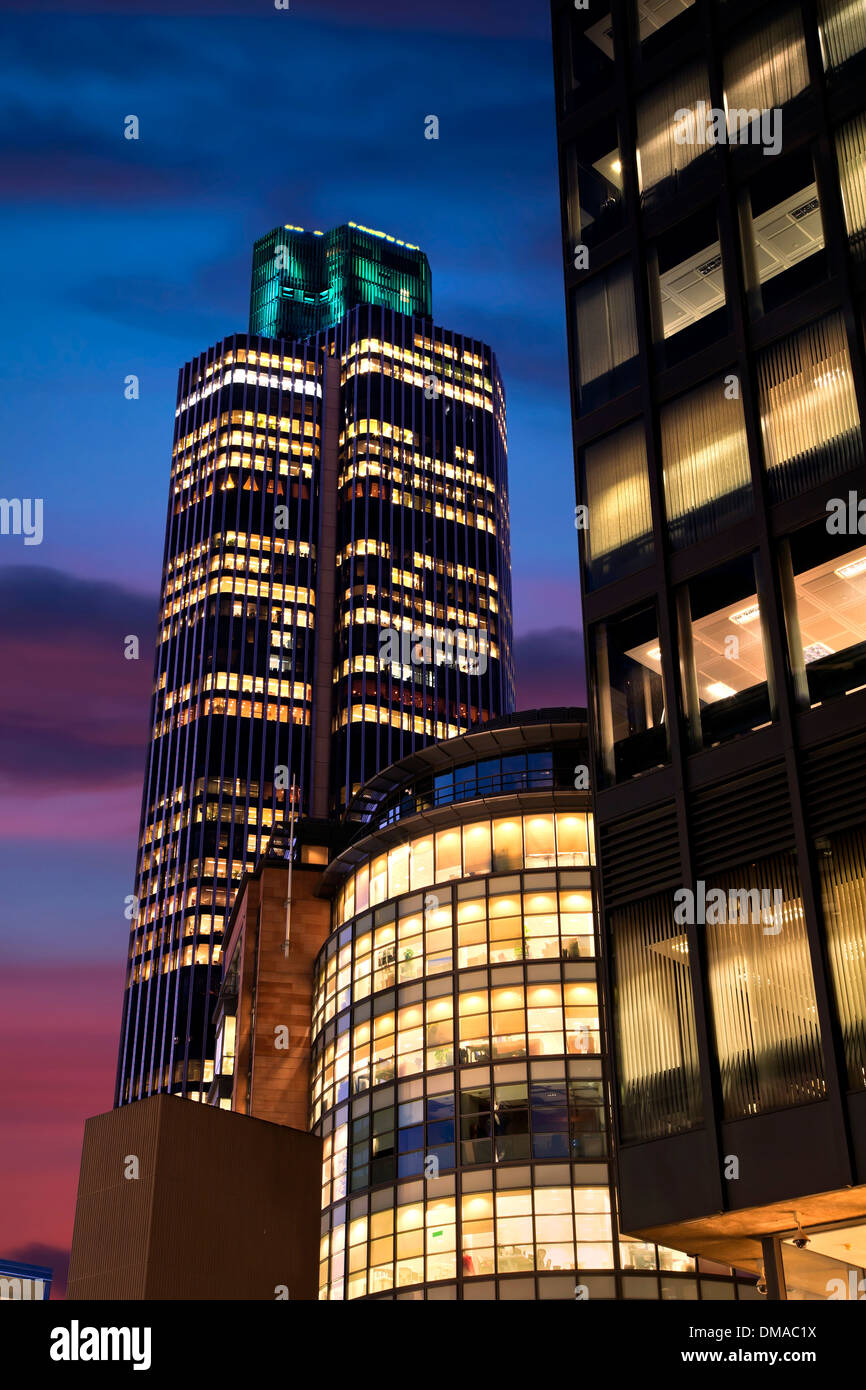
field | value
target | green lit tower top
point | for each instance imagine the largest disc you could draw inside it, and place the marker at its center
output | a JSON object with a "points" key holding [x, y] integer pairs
{"points": [[304, 282]]}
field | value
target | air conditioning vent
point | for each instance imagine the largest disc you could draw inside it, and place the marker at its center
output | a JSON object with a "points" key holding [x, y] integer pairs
{"points": [[736, 821], [834, 780], [640, 855]]}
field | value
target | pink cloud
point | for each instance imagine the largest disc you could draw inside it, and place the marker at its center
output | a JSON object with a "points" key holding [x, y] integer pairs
{"points": [[109, 815]]}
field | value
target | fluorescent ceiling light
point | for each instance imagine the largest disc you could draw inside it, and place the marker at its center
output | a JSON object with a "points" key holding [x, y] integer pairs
{"points": [[815, 651], [746, 615]]}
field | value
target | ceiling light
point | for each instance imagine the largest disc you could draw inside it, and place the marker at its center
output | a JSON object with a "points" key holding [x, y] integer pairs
{"points": [[855, 567], [719, 691], [815, 651], [746, 615], [654, 653]]}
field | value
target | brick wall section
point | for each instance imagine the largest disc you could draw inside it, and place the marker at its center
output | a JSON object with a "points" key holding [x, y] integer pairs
{"points": [[275, 992]]}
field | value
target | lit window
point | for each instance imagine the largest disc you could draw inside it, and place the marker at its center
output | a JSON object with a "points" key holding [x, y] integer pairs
{"points": [[659, 1077], [606, 336], [809, 418], [687, 288], [824, 580], [707, 479], [783, 246], [671, 142], [618, 537], [725, 658], [766, 70], [842, 29], [761, 989], [594, 188], [842, 867], [630, 695], [851, 157]]}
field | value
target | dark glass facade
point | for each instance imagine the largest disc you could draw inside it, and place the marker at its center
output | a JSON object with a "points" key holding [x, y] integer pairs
{"points": [[715, 288], [329, 496]]}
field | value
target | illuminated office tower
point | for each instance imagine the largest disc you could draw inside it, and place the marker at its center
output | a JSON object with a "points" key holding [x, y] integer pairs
{"points": [[715, 291], [336, 593]]}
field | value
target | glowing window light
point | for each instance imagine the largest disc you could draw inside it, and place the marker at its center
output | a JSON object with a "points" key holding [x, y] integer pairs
{"points": [[746, 615], [815, 651]]}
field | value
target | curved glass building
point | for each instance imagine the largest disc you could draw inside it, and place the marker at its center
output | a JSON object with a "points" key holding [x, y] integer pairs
{"points": [[458, 1074]]}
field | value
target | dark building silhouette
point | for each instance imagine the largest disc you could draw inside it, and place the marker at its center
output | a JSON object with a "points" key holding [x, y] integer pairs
{"points": [[713, 174]]}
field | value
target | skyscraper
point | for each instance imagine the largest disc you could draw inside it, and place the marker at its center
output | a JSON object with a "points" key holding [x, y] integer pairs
{"points": [[336, 593], [714, 216]]}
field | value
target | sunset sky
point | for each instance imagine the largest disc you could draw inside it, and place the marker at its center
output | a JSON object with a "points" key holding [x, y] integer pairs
{"points": [[130, 257]]}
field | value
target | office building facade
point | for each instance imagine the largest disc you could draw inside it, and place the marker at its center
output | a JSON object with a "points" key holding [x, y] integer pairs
{"points": [[713, 176], [336, 592]]}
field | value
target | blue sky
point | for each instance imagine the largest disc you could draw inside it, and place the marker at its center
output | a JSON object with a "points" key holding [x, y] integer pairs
{"points": [[129, 257]]}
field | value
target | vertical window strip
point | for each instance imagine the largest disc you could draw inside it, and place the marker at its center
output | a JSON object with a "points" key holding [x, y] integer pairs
{"points": [[843, 888], [655, 1026], [762, 991], [769, 67], [707, 481], [606, 323], [616, 487], [809, 418], [660, 155], [843, 30], [851, 157]]}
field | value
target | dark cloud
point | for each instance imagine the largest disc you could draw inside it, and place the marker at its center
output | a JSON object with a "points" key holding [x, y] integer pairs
{"points": [[73, 711], [496, 18], [549, 667], [177, 309]]}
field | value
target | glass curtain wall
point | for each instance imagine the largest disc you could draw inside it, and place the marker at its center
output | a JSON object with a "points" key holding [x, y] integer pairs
{"points": [[659, 1082], [762, 992]]}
